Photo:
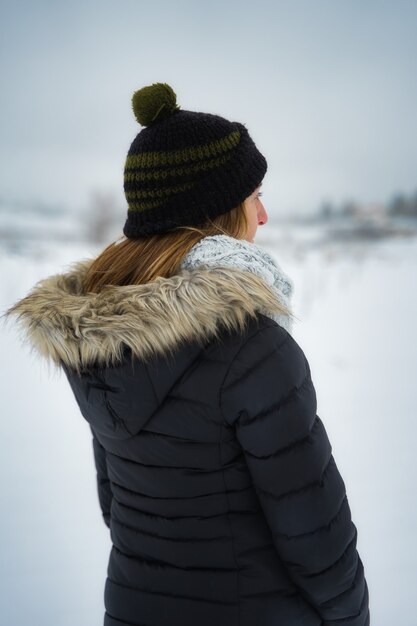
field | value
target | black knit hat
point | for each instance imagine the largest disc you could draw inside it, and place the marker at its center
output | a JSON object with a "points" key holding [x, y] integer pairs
{"points": [[185, 166]]}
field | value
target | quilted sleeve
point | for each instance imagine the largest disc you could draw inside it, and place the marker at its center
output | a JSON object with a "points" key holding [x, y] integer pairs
{"points": [[269, 398], [103, 484]]}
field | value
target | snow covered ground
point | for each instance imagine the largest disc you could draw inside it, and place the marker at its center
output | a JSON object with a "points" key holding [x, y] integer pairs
{"points": [[357, 309]]}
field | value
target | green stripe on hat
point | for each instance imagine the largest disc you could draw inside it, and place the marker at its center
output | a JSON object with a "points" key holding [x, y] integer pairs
{"points": [[192, 153], [164, 191], [177, 171], [140, 206]]}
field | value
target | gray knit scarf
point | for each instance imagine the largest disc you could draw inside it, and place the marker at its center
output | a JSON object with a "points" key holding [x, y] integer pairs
{"points": [[224, 250]]}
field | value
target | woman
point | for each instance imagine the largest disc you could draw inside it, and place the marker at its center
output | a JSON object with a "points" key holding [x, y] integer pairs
{"points": [[215, 474]]}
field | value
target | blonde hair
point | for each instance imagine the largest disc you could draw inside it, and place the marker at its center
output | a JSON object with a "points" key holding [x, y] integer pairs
{"points": [[139, 261]]}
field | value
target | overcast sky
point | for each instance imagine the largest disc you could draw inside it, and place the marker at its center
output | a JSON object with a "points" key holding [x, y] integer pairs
{"points": [[327, 89]]}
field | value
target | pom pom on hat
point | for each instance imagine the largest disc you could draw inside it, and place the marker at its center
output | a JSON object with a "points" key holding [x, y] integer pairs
{"points": [[153, 103]]}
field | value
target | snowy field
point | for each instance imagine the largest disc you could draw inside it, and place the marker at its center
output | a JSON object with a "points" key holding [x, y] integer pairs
{"points": [[357, 309]]}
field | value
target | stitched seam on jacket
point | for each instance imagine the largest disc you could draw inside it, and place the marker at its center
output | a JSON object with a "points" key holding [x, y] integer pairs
{"points": [[261, 360], [283, 401], [164, 538], [316, 483], [158, 562], [351, 617], [122, 621], [196, 470], [153, 497], [324, 528], [258, 330], [169, 595], [186, 517], [352, 586], [339, 558], [151, 383], [297, 443], [230, 523], [346, 620]]}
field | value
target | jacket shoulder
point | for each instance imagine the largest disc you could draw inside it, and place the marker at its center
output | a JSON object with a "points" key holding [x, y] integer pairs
{"points": [[267, 364]]}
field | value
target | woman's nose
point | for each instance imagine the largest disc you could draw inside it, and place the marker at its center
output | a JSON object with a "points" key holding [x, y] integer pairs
{"points": [[262, 215]]}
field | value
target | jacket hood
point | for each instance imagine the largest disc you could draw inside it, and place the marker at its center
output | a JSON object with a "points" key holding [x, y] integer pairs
{"points": [[68, 326]]}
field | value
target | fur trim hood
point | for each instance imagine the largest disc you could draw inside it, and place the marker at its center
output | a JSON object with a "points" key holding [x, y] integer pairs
{"points": [[69, 326]]}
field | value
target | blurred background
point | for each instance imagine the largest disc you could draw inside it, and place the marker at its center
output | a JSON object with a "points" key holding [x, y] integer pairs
{"points": [[328, 91]]}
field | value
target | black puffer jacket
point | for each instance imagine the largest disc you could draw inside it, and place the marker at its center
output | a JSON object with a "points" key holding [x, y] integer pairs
{"points": [[215, 474]]}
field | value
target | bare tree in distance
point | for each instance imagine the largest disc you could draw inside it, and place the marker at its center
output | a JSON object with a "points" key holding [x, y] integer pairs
{"points": [[105, 217]]}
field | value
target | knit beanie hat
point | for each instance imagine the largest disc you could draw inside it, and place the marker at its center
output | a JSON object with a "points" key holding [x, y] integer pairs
{"points": [[185, 166]]}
